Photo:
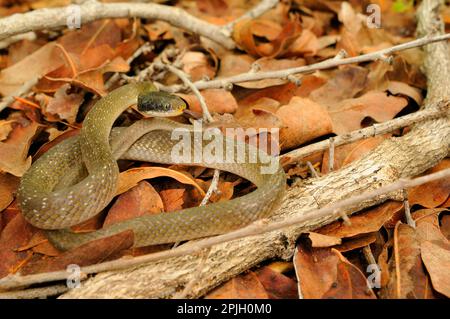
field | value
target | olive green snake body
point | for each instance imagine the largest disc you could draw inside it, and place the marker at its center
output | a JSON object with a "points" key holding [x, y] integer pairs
{"points": [[49, 199]]}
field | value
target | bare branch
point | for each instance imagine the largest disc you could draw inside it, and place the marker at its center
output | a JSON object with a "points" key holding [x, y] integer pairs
{"points": [[258, 10], [327, 64], [184, 77], [92, 10], [438, 110], [35, 292]]}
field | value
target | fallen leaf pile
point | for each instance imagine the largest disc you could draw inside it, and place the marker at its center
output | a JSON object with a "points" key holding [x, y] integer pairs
{"points": [[377, 255]]}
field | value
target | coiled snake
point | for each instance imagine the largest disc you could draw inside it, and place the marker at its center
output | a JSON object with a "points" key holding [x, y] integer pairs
{"points": [[77, 178]]}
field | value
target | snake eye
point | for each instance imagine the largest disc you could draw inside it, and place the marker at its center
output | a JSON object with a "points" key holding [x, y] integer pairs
{"points": [[160, 104]]}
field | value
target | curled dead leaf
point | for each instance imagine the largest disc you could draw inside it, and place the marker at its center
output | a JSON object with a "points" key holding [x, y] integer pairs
{"points": [[303, 120]]}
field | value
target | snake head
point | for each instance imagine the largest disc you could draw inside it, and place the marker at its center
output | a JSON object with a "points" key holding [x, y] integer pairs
{"points": [[160, 104]]}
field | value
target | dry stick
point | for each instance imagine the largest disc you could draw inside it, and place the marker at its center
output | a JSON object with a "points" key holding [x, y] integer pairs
{"points": [[35, 292], [409, 220], [312, 170], [146, 47], [327, 64], [212, 188], [184, 77], [92, 10], [30, 36], [259, 9], [331, 154], [256, 228], [371, 131]]}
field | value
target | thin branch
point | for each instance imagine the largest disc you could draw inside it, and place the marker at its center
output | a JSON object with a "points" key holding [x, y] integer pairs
{"points": [[371, 131], [327, 64], [92, 10], [258, 10], [184, 77], [331, 154], [212, 188], [312, 170], [259, 227], [146, 47], [30, 36], [35, 292], [409, 220]]}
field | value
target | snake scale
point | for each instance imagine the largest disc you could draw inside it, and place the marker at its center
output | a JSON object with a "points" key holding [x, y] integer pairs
{"points": [[76, 179]]}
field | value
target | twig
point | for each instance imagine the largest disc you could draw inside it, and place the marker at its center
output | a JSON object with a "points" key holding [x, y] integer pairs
{"points": [[409, 220], [184, 77], [327, 64], [258, 10], [6, 101], [35, 292], [312, 170], [256, 228], [212, 188], [142, 49], [371, 131], [92, 10], [31, 36], [369, 255], [331, 155]]}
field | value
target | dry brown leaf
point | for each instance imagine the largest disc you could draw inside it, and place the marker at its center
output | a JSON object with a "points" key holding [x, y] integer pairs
{"points": [[316, 270], [217, 100], [279, 39], [16, 234], [245, 286], [173, 199], [8, 186], [305, 45], [345, 83], [400, 88], [14, 157], [348, 153], [437, 261], [64, 105], [277, 285], [159, 30], [431, 194], [445, 226], [362, 223], [34, 66], [131, 177], [407, 278], [347, 116], [319, 240], [303, 120], [284, 93], [140, 200], [434, 247], [196, 64], [5, 128], [326, 273], [356, 242], [94, 252]]}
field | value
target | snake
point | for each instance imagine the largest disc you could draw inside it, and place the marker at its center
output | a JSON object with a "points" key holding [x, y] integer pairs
{"points": [[77, 178]]}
